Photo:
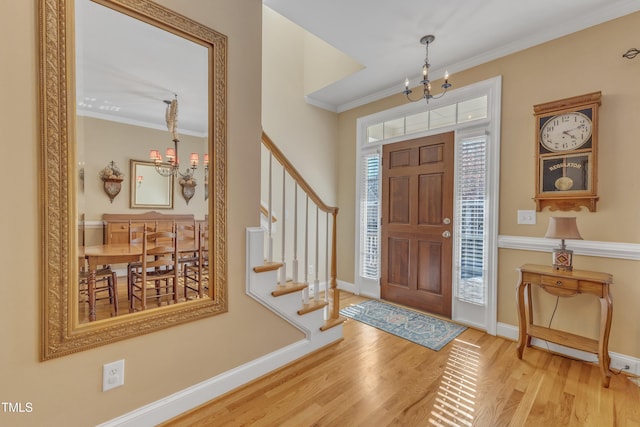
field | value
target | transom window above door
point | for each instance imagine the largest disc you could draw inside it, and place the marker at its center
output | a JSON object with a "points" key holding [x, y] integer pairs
{"points": [[448, 115]]}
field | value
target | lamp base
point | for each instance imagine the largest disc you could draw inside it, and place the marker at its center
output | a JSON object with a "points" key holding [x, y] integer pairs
{"points": [[562, 259]]}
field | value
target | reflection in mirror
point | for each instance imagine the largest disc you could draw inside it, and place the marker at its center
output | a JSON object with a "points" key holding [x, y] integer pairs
{"points": [[149, 189], [121, 84]]}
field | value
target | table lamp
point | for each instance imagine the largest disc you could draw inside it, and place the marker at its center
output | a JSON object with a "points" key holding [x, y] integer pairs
{"points": [[563, 228]]}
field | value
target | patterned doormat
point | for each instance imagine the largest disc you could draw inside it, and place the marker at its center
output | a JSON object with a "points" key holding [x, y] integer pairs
{"points": [[419, 328]]}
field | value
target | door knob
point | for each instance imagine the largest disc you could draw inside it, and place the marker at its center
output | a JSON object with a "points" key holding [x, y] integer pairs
{"points": [[446, 234]]}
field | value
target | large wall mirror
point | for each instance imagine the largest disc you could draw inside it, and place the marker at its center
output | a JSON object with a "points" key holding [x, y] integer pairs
{"points": [[107, 71]]}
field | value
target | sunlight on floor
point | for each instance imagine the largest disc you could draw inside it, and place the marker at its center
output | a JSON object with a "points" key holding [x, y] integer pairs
{"points": [[455, 403]]}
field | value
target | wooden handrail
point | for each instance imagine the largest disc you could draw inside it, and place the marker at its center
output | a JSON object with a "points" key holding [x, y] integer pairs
{"points": [[296, 175], [333, 292], [264, 211]]}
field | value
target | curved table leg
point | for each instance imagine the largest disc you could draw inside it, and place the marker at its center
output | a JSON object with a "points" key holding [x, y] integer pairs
{"points": [[522, 318], [606, 313]]}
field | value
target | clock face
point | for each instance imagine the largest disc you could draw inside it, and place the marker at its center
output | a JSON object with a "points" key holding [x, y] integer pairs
{"points": [[566, 132]]}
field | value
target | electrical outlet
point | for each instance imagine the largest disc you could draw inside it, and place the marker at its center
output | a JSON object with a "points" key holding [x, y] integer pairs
{"points": [[113, 375], [311, 270], [526, 217], [623, 364]]}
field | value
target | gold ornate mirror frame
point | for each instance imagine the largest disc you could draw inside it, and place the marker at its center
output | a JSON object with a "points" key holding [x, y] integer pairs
{"points": [[61, 332]]}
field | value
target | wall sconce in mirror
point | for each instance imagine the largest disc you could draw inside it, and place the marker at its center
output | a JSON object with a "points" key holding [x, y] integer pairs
{"points": [[631, 53], [112, 180], [149, 189], [188, 184]]}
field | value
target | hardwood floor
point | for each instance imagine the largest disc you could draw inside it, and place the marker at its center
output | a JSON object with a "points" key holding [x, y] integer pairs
{"points": [[373, 378]]}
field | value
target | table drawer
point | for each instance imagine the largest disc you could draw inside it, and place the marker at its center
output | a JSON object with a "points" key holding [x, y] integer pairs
{"points": [[559, 282]]}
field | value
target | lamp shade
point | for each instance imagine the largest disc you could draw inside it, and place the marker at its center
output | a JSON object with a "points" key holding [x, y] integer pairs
{"points": [[563, 228]]}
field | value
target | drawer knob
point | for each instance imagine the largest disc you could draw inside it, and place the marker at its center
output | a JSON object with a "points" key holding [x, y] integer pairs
{"points": [[559, 283]]}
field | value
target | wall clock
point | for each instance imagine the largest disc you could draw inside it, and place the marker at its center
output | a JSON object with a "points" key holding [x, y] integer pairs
{"points": [[567, 153]]}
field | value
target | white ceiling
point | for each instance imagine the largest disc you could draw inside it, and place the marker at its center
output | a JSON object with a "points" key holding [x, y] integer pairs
{"points": [[384, 36], [125, 69]]}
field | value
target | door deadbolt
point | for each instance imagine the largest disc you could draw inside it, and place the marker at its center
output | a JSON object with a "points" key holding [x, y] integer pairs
{"points": [[446, 221]]}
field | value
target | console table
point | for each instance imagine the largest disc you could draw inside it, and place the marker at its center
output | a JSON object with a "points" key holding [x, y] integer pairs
{"points": [[565, 284]]}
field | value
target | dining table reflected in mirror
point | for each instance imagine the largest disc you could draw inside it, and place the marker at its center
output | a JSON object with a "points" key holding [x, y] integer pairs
{"points": [[109, 270]]}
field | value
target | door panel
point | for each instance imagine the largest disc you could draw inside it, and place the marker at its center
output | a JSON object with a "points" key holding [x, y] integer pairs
{"points": [[399, 261], [399, 209], [416, 247], [430, 188]]}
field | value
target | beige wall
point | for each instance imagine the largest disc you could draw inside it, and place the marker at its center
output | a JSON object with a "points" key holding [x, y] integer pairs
{"points": [[587, 61], [67, 391], [307, 135]]}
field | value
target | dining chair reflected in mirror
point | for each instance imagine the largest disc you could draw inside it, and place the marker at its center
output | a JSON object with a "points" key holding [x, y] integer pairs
{"points": [[136, 235], [196, 275], [157, 277], [187, 242], [106, 287]]}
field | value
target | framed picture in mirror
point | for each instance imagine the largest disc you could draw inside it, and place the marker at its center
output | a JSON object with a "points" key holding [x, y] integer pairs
{"points": [[150, 189]]}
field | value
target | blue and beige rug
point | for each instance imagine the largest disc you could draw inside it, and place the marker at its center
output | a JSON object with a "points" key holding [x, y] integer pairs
{"points": [[419, 328]]}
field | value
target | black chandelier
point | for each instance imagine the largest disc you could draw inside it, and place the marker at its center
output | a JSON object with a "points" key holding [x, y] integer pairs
{"points": [[426, 83]]}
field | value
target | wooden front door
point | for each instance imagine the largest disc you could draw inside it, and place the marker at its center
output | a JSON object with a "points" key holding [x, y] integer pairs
{"points": [[417, 223]]}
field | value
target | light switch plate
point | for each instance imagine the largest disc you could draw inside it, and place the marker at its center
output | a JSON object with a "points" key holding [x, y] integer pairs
{"points": [[526, 217]]}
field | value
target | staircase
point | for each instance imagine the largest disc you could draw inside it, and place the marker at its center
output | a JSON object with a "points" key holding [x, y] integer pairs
{"points": [[300, 285]]}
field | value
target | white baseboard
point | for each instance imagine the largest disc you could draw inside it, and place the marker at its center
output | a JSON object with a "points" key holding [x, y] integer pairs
{"points": [[618, 361], [349, 287], [191, 397]]}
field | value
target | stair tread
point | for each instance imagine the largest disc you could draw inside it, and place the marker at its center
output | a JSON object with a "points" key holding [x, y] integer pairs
{"points": [[289, 288], [267, 266], [330, 323], [312, 305]]}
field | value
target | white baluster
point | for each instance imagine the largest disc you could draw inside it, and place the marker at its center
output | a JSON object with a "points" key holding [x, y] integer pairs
{"points": [[326, 259], [283, 225], [270, 211], [294, 265], [316, 282], [305, 294]]}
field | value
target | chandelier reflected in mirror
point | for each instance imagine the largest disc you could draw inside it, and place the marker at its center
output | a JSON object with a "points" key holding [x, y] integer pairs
{"points": [[425, 82], [172, 165]]}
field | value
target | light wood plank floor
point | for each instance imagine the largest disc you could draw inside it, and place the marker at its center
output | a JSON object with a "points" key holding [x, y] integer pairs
{"points": [[375, 379]]}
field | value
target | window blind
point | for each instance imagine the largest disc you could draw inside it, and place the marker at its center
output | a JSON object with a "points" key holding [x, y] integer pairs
{"points": [[369, 215], [471, 203]]}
